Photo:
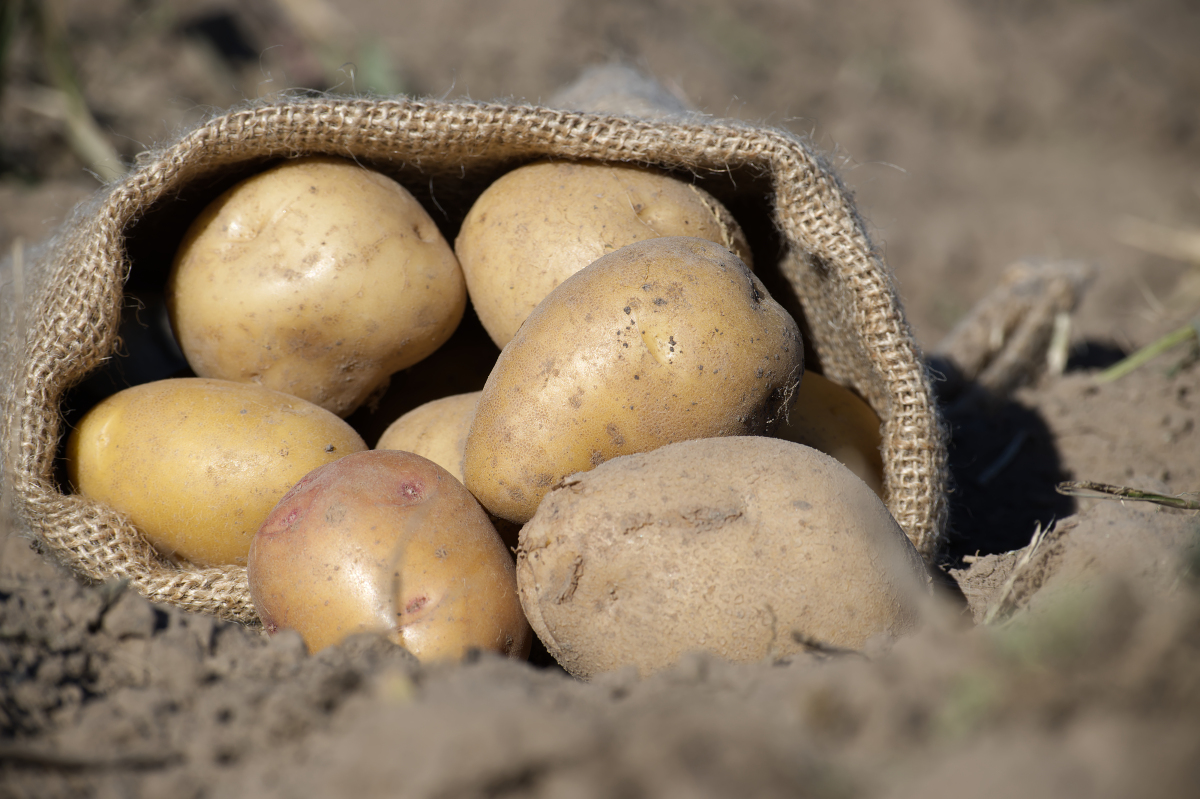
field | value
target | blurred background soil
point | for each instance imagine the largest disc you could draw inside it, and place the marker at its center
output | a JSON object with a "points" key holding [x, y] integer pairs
{"points": [[974, 133]]}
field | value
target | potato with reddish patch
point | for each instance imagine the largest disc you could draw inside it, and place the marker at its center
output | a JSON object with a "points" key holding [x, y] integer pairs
{"points": [[387, 541]]}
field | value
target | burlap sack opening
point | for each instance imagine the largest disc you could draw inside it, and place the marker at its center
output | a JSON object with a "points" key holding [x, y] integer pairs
{"points": [[813, 251]]}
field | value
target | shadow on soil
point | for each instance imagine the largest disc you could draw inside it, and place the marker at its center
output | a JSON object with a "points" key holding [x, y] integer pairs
{"points": [[1004, 466]]}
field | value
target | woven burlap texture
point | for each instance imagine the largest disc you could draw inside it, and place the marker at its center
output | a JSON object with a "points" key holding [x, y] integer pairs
{"points": [[857, 324]]}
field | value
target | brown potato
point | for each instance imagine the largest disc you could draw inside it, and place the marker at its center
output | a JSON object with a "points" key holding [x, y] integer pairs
{"points": [[387, 541], [436, 430], [664, 340], [543, 222], [197, 464], [318, 278], [749, 548], [834, 420]]}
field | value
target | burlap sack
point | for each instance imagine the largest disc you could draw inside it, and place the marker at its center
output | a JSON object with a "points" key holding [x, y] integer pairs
{"points": [[800, 217]]}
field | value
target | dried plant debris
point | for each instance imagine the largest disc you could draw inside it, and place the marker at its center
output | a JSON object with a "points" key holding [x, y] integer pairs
{"points": [[1015, 331], [1087, 488]]}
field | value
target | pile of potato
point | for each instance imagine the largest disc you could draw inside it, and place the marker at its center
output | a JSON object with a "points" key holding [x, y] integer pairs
{"points": [[648, 427]]}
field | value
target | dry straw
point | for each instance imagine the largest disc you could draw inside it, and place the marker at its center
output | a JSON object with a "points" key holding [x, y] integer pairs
{"points": [[446, 152]]}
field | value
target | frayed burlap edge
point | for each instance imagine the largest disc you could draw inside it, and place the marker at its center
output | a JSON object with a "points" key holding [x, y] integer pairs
{"points": [[847, 293]]}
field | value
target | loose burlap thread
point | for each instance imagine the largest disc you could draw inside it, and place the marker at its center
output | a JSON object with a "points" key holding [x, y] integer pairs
{"points": [[854, 316]]}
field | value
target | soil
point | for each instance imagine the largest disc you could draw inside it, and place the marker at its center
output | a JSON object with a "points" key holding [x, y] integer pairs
{"points": [[975, 134]]}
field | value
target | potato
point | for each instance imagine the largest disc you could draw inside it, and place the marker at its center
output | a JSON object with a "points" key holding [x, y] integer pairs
{"points": [[391, 542], [459, 366], [197, 464], [746, 547], [318, 278], [834, 420], [664, 340], [542, 223], [436, 430]]}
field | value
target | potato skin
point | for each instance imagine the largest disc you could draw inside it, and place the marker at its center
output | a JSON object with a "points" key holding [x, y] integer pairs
{"points": [[197, 464], [387, 541], [664, 340], [436, 430], [834, 420], [318, 278], [543, 222], [729, 545]]}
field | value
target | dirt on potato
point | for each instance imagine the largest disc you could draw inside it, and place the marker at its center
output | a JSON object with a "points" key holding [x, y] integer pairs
{"points": [[974, 134]]}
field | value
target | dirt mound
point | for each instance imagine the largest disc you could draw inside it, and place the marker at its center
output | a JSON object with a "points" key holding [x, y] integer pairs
{"points": [[1088, 689], [1142, 431]]}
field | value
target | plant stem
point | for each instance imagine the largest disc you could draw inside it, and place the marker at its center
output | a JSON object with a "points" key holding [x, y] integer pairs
{"points": [[1150, 351], [1091, 490], [86, 138]]}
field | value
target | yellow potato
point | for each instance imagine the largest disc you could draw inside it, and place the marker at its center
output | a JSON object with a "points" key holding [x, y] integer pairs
{"points": [[436, 430], [542, 223], [664, 340], [750, 548], [197, 464], [391, 542], [317, 277], [834, 420]]}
